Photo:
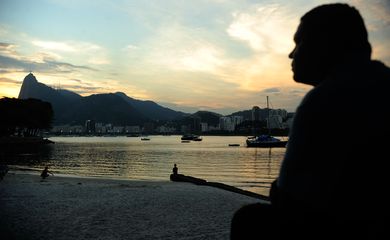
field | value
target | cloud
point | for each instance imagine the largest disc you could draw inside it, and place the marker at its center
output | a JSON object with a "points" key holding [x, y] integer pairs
{"points": [[194, 54], [5, 46], [75, 80], [47, 62], [58, 46], [70, 46], [272, 90], [81, 89], [267, 29], [64, 66], [130, 48], [264, 29], [181, 48], [92, 53], [8, 80], [8, 49], [11, 64], [194, 62]]}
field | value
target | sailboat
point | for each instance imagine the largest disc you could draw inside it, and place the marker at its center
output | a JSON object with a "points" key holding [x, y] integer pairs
{"points": [[265, 140]]}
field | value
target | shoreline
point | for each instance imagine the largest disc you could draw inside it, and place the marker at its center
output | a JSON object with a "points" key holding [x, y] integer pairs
{"points": [[187, 178], [84, 208], [198, 181]]}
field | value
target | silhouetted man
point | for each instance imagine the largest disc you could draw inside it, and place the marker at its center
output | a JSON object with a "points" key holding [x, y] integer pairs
{"points": [[45, 173], [174, 169], [333, 179]]}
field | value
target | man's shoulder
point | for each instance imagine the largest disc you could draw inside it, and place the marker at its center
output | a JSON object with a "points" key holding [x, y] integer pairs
{"points": [[315, 97], [380, 70], [380, 65]]}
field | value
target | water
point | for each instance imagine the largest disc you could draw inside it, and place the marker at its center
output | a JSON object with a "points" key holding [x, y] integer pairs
{"points": [[212, 159]]}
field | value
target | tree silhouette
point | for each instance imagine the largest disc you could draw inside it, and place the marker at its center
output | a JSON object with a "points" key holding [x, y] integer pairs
{"points": [[24, 117]]}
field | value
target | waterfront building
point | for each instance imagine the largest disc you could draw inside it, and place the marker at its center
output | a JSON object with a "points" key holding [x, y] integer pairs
{"points": [[255, 113], [230, 123], [90, 126], [132, 129], [204, 126]]}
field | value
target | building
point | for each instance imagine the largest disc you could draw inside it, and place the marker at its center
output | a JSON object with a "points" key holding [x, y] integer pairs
{"points": [[204, 126], [148, 128], [132, 129], [165, 129], [67, 129], [255, 113], [275, 121], [197, 126], [118, 129], [230, 123], [90, 126], [277, 118]]}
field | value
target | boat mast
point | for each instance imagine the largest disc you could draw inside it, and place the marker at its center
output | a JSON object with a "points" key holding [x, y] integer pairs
{"points": [[268, 125]]}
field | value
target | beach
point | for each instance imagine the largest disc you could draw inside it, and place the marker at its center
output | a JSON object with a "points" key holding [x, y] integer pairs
{"points": [[63, 207]]}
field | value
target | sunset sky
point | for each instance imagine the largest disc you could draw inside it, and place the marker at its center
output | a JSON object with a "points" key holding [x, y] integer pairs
{"points": [[218, 55]]}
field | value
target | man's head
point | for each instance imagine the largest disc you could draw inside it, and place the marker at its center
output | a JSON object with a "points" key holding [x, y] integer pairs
{"points": [[328, 36]]}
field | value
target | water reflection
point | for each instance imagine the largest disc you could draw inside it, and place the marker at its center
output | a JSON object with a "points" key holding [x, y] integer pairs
{"points": [[252, 169], [26, 155]]}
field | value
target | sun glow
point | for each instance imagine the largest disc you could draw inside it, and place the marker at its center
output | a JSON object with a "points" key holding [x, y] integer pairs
{"points": [[204, 54]]}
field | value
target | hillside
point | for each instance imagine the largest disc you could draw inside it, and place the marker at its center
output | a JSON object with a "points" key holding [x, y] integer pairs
{"points": [[116, 108]]}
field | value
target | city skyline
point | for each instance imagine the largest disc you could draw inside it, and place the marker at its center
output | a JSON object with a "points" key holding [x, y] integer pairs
{"points": [[216, 55]]}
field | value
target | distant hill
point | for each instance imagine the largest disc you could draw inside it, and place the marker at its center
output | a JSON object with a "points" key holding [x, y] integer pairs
{"points": [[106, 108], [211, 118], [247, 114], [151, 109], [116, 108], [69, 94]]}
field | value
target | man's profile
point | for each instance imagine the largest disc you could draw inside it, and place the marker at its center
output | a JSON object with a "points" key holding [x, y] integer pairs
{"points": [[332, 179]]}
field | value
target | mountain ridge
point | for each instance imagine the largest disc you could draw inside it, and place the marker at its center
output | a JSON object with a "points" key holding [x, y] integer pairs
{"points": [[117, 108], [152, 109]]}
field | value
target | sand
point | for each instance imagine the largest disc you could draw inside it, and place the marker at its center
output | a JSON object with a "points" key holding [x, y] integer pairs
{"points": [[92, 208]]}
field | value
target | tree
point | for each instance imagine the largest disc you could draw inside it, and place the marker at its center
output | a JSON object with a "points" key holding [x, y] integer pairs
{"points": [[26, 117]]}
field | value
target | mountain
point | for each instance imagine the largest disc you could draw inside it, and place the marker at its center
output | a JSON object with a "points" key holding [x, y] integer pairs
{"points": [[151, 109], [106, 108], [31, 88], [210, 118], [69, 94], [116, 108], [247, 114]]}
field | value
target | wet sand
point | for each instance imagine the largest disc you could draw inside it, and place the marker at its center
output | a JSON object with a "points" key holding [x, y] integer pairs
{"points": [[94, 208]]}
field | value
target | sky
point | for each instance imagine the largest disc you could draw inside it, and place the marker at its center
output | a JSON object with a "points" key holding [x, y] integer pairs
{"points": [[215, 55]]}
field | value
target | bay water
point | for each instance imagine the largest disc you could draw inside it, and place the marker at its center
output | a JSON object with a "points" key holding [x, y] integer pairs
{"points": [[122, 157]]}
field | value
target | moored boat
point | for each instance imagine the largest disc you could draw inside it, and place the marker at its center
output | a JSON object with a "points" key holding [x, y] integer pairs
{"points": [[191, 137], [265, 141]]}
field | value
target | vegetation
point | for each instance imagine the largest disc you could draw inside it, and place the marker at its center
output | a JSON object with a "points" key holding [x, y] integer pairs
{"points": [[24, 117]]}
